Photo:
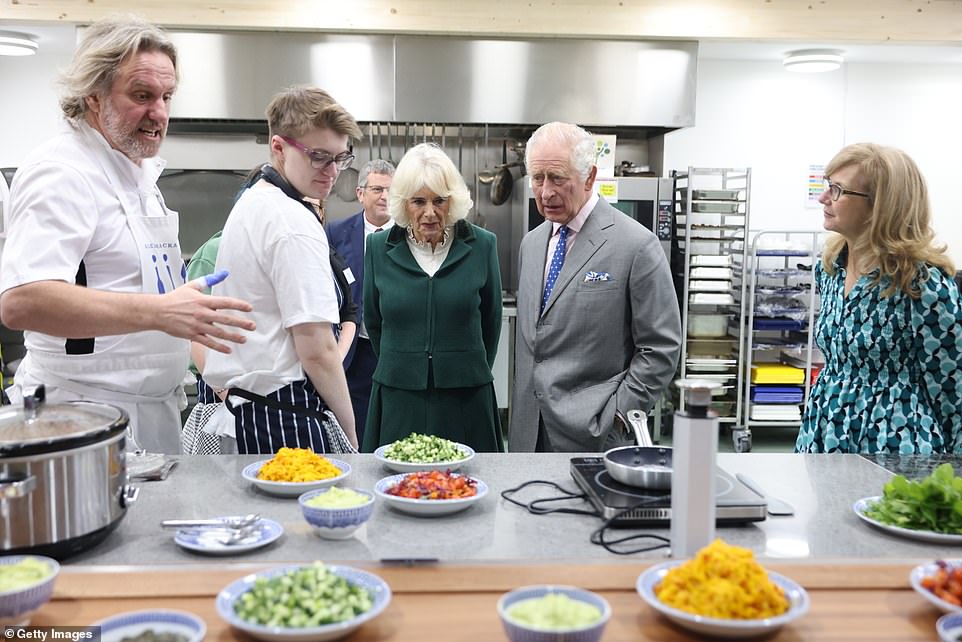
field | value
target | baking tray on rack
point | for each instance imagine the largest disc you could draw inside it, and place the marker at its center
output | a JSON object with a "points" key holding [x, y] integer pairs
{"points": [[710, 365], [715, 207], [711, 194], [711, 260]]}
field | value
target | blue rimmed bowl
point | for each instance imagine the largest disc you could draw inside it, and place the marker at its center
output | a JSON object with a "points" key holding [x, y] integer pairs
{"points": [[117, 628], [377, 587], [522, 632], [798, 604], [19, 604], [336, 523], [950, 627], [293, 489]]}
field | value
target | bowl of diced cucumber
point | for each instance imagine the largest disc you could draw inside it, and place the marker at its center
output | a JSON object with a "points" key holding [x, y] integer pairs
{"points": [[303, 603], [335, 513], [423, 452]]}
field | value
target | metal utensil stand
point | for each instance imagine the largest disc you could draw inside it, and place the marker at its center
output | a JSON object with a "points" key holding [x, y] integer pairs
{"points": [[708, 251], [781, 307]]}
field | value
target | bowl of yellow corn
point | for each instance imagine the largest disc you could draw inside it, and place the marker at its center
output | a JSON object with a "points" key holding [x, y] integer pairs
{"points": [[722, 592], [294, 471]]}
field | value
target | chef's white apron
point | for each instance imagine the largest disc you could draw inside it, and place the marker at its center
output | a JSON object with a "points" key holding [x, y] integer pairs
{"points": [[143, 372]]}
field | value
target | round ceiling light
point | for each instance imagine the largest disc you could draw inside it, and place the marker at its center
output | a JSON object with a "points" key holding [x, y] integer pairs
{"points": [[17, 44], [813, 61]]}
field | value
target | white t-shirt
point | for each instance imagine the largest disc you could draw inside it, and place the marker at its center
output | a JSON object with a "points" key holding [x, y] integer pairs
{"points": [[63, 209], [279, 261]]}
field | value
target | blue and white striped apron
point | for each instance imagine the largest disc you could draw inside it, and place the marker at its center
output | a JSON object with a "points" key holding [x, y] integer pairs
{"points": [[262, 429]]}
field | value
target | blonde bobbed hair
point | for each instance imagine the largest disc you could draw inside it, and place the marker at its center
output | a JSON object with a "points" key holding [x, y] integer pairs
{"points": [[898, 239], [426, 165]]}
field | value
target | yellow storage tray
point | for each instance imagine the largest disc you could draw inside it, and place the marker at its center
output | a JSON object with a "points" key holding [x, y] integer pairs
{"points": [[777, 373]]}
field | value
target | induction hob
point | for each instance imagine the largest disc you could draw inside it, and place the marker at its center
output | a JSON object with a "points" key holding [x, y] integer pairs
{"points": [[736, 503]]}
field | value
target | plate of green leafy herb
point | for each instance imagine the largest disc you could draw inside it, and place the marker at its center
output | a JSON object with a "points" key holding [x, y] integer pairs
{"points": [[928, 509]]}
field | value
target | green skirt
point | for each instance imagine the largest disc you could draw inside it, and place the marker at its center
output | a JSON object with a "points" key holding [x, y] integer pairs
{"points": [[466, 415]]}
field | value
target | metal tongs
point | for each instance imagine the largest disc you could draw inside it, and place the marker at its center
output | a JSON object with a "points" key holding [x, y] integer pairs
{"points": [[213, 524], [233, 531]]}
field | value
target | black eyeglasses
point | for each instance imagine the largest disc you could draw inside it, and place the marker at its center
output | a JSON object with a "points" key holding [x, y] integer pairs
{"points": [[836, 191], [321, 159]]}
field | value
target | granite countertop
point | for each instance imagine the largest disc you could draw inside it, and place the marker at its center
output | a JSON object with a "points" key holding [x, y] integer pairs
{"points": [[822, 488]]}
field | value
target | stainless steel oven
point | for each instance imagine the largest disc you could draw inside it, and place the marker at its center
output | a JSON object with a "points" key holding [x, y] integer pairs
{"points": [[648, 200]]}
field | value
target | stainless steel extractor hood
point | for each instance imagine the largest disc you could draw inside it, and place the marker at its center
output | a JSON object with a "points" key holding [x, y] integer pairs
{"points": [[228, 78]]}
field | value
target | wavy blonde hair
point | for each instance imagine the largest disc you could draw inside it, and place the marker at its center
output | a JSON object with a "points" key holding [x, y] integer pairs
{"points": [[899, 240], [426, 165]]}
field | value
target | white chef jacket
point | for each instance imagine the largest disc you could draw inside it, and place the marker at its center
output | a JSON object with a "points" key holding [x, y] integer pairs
{"points": [[279, 260], [67, 205]]}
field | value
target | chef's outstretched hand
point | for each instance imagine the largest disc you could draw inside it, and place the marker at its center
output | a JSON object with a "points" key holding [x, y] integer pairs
{"points": [[190, 314]]}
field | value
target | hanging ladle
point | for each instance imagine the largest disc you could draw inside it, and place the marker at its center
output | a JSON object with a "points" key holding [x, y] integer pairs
{"points": [[486, 175]]}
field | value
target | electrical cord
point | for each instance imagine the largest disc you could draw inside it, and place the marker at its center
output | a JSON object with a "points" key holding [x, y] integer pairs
{"points": [[598, 535], [534, 507]]}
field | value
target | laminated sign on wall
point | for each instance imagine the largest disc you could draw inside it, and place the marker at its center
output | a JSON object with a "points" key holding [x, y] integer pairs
{"points": [[816, 185], [605, 183]]}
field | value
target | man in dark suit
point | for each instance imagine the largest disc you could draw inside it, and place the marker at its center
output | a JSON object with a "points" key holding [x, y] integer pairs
{"points": [[598, 329], [348, 237]]}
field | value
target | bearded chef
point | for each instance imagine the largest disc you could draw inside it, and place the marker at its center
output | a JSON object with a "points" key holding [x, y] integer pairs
{"points": [[91, 266]]}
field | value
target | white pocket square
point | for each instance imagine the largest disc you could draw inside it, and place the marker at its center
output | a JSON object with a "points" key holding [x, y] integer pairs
{"points": [[593, 277]]}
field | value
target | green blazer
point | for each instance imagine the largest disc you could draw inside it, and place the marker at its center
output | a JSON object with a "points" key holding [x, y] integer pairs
{"points": [[451, 321]]}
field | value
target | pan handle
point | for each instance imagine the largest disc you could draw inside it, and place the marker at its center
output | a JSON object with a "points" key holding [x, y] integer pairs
{"points": [[639, 423]]}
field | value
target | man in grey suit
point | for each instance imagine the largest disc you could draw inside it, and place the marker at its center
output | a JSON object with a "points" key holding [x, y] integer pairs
{"points": [[598, 328]]}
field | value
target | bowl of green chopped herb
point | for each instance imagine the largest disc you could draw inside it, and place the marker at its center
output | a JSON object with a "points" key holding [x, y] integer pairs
{"points": [[927, 509]]}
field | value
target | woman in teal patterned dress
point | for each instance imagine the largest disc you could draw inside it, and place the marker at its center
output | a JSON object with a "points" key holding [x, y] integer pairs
{"points": [[890, 323]]}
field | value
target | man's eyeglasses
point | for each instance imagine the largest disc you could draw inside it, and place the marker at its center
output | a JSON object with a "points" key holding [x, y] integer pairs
{"points": [[836, 191], [321, 159], [377, 190]]}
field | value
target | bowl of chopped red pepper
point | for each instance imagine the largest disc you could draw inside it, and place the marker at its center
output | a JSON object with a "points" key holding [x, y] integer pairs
{"points": [[940, 582], [430, 492]]}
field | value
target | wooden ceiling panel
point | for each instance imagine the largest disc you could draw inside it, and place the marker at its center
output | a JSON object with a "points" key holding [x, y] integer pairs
{"points": [[880, 21]]}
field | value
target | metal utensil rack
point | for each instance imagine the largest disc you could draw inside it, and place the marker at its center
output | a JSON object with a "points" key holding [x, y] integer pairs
{"points": [[781, 266], [709, 250]]}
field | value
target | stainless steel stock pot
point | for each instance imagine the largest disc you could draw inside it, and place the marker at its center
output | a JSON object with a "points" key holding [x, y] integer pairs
{"points": [[63, 477]]}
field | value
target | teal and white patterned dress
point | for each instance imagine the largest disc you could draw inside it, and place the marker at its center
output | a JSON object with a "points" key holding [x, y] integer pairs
{"points": [[892, 380]]}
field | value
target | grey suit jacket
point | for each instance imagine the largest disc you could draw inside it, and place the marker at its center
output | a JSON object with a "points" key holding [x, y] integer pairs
{"points": [[604, 343]]}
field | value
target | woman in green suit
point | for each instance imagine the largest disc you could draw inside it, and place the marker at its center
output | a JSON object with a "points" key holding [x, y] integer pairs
{"points": [[432, 307]]}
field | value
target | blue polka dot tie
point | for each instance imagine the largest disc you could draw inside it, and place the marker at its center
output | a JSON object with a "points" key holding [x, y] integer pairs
{"points": [[557, 260]]}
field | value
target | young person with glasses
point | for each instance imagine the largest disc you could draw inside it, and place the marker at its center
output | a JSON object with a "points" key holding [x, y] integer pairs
{"points": [[890, 322], [287, 380]]}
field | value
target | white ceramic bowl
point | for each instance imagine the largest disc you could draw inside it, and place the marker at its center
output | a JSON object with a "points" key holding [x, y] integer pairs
{"points": [[426, 507], [293, 489], [410, 467], [380, 594], [335, 523], [519, 632], [131, 624], [924, 570], [798, 602], [950, 627], [19, 604]]}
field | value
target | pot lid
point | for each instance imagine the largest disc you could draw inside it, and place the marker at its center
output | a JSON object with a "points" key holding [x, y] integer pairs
{"points": [[53, 426]]}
